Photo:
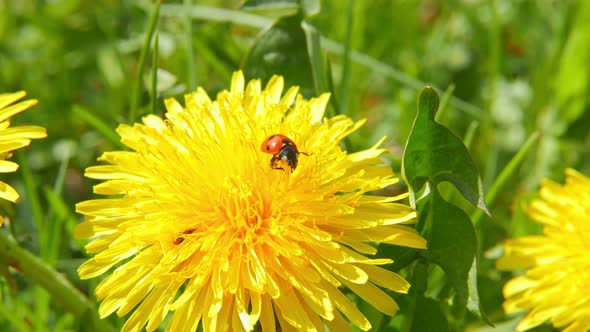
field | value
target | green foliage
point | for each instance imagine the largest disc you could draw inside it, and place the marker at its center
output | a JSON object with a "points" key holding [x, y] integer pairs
{"points": [[434, 155], [511, 69], [571, 84], [282, 50], [430, 308]]}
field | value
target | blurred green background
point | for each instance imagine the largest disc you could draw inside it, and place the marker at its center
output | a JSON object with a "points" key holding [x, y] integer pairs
{"points": [[509, 68]]}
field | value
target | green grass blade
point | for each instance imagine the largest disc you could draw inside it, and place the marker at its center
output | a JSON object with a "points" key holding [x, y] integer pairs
{"points": [[154, 97], [314, 50], [60, 179], [190, 50], [41, 296], [213, 14], [334, 105], [470, 133], [99, 125], [17, 321], [444, 101], [53, 220], [506, 174], [33, 196], [387, 70], [135, 93], [344, 83], [209, 56]]}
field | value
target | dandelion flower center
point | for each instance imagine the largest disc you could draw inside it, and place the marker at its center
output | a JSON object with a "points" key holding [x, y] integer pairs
{"points": [[202, 226]]}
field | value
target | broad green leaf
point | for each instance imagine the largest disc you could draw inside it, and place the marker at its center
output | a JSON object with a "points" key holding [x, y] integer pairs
{"points": [[282, 50], [430, 317], [452, 244], [402, 256], [434, 154]]}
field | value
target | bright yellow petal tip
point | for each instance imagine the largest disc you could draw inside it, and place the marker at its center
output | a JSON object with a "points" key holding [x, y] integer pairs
{"points": [[13, 138], [556, 286], [204, 228]]}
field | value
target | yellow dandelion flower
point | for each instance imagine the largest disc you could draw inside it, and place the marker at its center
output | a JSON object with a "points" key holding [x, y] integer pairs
{"points": [[13, 138], [207, 230], [556, 285]]}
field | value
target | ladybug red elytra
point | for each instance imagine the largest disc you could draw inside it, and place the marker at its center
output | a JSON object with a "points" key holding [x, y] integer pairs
{"points": [[284, 151]]}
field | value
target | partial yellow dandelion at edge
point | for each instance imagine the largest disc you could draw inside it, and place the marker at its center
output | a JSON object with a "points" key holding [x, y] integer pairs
{"points": [[556, 285], [202, 227], [13, 138]]}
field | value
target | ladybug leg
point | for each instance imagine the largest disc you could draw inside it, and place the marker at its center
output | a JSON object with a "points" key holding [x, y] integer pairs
{"points": [[288, 157], [275, 162], [292, 164]]}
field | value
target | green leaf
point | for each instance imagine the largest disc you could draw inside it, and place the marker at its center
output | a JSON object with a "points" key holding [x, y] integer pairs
{"points": [[434, 154], [403, 256], [431, 317], [452, 244], [282, 50]]}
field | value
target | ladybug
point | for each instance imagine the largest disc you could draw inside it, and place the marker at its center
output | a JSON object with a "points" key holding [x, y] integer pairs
{"points": [[284, 151]]}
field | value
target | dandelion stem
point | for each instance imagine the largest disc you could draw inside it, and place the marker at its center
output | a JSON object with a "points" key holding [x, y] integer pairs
{"points": [[60, 289]]}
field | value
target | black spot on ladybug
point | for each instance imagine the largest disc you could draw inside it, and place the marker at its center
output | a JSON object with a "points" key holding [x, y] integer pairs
{"points": [[267, 147], [286, 141]]}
